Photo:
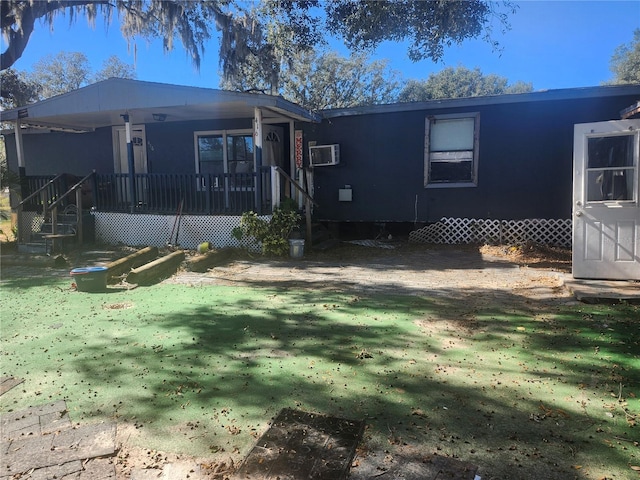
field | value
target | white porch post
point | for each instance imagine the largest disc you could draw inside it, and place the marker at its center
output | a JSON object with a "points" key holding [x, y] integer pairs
{"points": [[131, 162], [275, 188], [257, 140], [19, 148], [22, 173]]}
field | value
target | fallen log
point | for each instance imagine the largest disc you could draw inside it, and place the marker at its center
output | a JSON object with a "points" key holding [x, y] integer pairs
{"points": [[157, 270], [136, 259], [202, 263]]}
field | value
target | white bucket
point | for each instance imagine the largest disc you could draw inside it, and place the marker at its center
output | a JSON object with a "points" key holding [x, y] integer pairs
{"points": [[296, 248]]}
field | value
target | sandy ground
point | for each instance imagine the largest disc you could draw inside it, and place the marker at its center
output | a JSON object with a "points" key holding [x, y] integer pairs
{"points": [[405, 270]]}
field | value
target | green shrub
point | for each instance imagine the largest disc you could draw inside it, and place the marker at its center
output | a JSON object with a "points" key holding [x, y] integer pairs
{"points": [[272, 234]]}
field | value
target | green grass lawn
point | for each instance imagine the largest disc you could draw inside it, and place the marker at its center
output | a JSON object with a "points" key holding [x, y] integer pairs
{"points": [[519, 388]]}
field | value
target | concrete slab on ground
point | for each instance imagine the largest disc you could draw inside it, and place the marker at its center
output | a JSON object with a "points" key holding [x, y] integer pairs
{"points": [[603, 291]]}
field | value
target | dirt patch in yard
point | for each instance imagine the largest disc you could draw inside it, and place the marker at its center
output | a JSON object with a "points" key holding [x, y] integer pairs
{"points": [[407, 269], [537, 256]]}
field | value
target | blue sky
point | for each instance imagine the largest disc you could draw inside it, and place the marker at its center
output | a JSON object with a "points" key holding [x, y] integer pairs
{"points": [[552, 44]]}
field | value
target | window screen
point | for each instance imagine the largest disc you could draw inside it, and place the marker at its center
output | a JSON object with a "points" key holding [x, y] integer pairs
{"points": [[452, 151], [211, 154], [610, 168]]}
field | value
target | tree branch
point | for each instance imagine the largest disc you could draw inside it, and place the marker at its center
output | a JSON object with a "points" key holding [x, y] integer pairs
{"points": [[18, 37]]}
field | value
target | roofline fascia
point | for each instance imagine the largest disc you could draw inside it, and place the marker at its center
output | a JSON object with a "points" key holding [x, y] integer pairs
{"points": [[543, 95]]}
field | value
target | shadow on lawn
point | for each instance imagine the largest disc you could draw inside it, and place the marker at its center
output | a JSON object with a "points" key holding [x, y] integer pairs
{"points": [[519, 387], [31, 277]]}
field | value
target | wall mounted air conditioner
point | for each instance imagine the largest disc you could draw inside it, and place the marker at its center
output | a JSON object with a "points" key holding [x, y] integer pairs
{"points": [[323, 155]]}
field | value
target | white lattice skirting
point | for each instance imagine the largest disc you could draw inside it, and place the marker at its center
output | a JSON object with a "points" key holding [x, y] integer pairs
{"points": [[154, 230], [29, 222], [455, 231]]}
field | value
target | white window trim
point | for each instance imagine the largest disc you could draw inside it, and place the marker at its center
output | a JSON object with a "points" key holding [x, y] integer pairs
{"points": [[633, 168], [223, 133], [476, 149]]}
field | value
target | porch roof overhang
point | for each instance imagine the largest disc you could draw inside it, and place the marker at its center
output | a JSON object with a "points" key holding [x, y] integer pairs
{"points": [[102, 104]]}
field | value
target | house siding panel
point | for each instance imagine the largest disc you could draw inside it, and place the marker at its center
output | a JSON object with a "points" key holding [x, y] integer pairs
{"points": [[525, 163], [53, 153], [169, 148], [170, 145]]}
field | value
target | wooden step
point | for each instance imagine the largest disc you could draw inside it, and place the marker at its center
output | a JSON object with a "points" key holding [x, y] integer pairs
{"points": [[62, 228], [156, 271], [134, 260]]}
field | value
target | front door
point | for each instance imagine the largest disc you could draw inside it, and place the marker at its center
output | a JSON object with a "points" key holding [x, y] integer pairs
{"points": [[606, 193], [272, 146], [121, 162], [139, 150]]}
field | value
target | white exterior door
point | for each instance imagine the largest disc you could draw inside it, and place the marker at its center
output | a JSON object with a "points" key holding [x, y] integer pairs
{"points": [[139, 150], [606, 207], [272, 146], [121, 162]]}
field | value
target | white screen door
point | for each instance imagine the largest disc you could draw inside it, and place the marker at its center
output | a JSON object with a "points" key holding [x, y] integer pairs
{"points": [[606, 210]]}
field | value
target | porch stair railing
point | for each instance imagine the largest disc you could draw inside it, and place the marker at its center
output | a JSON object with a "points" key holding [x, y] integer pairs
{"points": [[37, 201], [308, 201], [69, 223], [45, 202]]}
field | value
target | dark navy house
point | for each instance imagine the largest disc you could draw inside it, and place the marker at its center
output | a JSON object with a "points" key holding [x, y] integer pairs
{"points": [[506, 157], [129, 156]]}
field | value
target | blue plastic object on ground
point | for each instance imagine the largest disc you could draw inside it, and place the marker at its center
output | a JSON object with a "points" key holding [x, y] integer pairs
{"points": [[90, 279]]}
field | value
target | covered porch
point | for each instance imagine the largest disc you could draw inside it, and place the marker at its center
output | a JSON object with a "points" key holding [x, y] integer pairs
{"points": [[125, 147], [170, 208]]}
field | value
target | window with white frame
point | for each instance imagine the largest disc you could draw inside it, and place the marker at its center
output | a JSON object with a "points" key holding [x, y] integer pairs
{"points": [[451, 150], [226, 151]]}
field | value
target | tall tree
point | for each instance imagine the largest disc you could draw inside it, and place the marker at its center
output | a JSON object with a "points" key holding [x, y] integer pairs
{"points": [[190, 21], [60, 73], [625, 61], [155, 17], [459, 82], [269, 32], [114, 67], [326, 80], [332, 81], [429, 25], [17, 90], [54, 75]]}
